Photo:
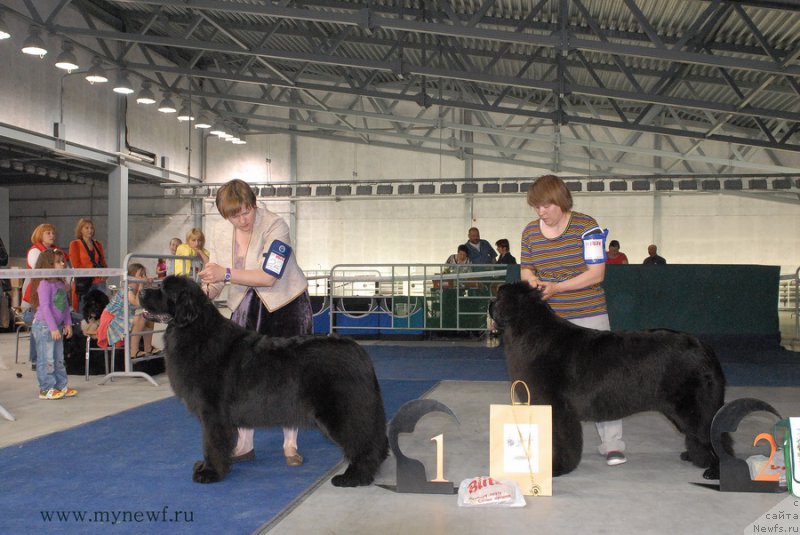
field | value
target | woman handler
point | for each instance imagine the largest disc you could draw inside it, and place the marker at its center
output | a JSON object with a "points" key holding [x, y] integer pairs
{"points": [[271, 299], [555, 260]]}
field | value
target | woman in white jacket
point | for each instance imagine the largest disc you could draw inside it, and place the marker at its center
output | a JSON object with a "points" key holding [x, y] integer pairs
{"points": [[269, 299]]}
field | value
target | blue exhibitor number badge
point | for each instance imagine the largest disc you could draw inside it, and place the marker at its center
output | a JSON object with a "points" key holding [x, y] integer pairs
{"points": [[275, 259]]}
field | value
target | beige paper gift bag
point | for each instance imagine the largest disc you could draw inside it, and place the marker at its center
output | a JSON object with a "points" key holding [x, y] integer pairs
{"points": [[521, 444]]}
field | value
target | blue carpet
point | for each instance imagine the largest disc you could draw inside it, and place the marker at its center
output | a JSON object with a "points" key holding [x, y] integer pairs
{"points": [[131, 473]]}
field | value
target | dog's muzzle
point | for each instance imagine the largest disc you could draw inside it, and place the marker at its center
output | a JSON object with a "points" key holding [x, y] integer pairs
{"points": [[156, 317]]}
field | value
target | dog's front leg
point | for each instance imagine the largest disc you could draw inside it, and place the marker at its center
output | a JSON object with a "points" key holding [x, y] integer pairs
{"points": [[217, 447]]}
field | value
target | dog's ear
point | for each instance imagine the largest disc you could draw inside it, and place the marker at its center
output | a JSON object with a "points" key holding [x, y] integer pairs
{"points": [[187, 305]]}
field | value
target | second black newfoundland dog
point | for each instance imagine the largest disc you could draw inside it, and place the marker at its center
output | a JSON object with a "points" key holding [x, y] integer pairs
{"points": [[230, 377], [599, 376]]}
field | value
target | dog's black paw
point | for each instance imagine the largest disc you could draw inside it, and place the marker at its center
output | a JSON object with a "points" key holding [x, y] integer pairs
{"points": [[350, 480], [685, 456], [203, 472], [712, 472]]}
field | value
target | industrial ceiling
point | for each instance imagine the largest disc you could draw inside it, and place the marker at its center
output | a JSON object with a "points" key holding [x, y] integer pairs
{"points": [[594, 88]]}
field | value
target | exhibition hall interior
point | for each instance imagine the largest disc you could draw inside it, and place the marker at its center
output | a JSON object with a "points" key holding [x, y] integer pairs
{"points": [[397, 210]]}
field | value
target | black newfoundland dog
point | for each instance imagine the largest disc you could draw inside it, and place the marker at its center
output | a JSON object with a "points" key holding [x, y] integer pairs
{"points": [[230, 377], [599, 376]]}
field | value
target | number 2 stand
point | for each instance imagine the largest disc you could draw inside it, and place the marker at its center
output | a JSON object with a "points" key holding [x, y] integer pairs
{"points": [[734, 474], [411, 472]]}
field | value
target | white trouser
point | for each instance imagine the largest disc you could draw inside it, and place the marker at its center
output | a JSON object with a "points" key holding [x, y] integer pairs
{"points": [[610, 432]]}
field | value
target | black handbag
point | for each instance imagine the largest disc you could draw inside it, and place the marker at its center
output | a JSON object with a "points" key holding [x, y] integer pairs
{"points": [[84, 284]]}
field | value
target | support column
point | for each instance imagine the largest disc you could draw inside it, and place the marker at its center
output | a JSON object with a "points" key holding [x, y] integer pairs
{"points": [[117, 246], [5, 210], [293, 178]]}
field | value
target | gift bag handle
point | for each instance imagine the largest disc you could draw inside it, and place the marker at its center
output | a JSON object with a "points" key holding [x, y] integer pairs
{"points": [[513, 391]]}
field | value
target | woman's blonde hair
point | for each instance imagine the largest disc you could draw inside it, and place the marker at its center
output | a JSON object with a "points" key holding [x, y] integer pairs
{"points": [[47, 260], [235, 196], [549, 189], [196, 233], [82, 222], [39, 231]]}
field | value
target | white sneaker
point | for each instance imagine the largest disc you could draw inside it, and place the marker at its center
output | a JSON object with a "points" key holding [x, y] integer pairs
{"points": [[613, 458]]}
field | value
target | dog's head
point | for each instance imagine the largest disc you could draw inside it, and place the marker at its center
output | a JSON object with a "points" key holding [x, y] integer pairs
{"points": [[179, 301], [93, 304], [518, 301]]}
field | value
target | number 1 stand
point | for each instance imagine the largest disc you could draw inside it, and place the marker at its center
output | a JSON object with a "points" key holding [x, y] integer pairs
{"points": [[411, 472], [734, 474]]}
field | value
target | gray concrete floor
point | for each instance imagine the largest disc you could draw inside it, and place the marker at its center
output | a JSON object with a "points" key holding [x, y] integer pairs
{"points": [[652, 493]]}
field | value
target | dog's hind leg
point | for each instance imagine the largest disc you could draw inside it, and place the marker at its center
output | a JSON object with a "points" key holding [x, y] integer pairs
{"points": [[364, 444], [567, 438], [218, 443], [692, 414]]}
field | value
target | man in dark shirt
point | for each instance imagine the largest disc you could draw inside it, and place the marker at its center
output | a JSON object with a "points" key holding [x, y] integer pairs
{"points": [[653, 259]]}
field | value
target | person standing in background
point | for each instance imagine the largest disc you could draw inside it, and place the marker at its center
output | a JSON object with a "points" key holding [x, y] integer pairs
{"points": [[195, 247], [42, 238], [480, 251], [85, 253], [174, 243], [505, 257]]}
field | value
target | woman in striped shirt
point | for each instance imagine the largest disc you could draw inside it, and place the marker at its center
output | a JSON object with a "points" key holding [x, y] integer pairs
{"points": [[553, 260]]}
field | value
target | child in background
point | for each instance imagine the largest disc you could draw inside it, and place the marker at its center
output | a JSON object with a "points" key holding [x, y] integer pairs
{"points": [[161, 268], [195, 241], [52, 318], [174, 243], [136, 320]]}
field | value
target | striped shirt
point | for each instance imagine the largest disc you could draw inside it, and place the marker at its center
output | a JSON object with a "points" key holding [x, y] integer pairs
{"points": [[559, 259]]}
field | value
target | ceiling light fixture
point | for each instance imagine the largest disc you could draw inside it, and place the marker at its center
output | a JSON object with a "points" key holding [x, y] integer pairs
{"points": [[67, 59], [203, 120], [186, 113], [167, 106], [96, 75], [4, 33], [145, 95], [218, 129], [123, 84], [34, 44]]}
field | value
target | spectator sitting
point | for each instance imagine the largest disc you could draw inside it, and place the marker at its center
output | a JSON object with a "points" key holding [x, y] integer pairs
{"points": [[460, 257], [653, 259], [614, 255]]}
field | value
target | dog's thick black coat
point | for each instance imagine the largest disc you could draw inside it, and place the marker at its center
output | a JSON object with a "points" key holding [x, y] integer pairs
{"points": [[599, 376], [230, 377]]}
